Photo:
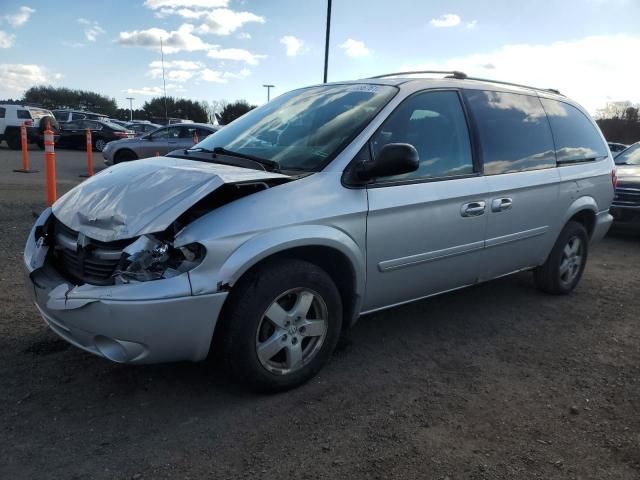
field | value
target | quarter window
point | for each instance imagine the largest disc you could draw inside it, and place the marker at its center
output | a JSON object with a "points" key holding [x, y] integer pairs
{"points": [[575, 136], [514, 131], [434, 123], [23, 114]]}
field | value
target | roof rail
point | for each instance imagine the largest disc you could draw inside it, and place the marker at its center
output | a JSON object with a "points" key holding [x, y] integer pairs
{"points": [[451, 73], [463, 76], [499, 82]]}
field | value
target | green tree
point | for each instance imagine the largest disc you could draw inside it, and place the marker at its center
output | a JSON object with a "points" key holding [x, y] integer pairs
{"points": [[62, 97], [176, 108], [231, 111]]}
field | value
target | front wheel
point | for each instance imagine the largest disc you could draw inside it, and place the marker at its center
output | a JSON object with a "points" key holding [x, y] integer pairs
{"points": [[563, 269], [281, 325]]}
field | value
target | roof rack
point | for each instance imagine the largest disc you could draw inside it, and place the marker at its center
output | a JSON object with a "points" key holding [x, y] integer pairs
{"points": [[451, 73], [463, 76]]}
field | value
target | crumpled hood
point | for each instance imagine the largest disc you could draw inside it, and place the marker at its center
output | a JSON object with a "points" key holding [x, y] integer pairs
{"points": [[144, 196]]}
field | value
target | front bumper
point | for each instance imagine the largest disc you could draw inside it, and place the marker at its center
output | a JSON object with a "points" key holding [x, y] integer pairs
{"points": [[626, 217], [148, 322]]}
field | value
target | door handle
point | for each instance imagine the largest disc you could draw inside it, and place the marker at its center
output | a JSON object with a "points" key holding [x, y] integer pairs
{"points": [[501, 204], [472, 209]]}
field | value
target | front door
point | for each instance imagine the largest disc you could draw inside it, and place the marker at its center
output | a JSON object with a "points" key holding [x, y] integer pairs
{"points": [[426, 229]]}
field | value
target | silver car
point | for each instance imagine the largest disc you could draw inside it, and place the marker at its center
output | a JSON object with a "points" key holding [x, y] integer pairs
{"points": [[270, 238], [158, 142]]}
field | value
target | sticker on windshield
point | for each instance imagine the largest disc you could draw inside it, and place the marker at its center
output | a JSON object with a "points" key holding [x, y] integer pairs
{"points": [[363, 87]]}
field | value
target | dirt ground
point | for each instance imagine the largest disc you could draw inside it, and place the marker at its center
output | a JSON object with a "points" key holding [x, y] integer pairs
{"points": [[496, 381]]}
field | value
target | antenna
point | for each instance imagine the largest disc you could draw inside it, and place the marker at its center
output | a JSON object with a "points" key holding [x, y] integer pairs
{"points": [[164, 84]]}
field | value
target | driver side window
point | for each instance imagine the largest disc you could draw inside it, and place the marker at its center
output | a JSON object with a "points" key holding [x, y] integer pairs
{"points": [[435, 124]]}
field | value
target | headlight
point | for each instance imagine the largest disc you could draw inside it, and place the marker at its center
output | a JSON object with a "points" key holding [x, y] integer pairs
{"points": [[149, 258]]}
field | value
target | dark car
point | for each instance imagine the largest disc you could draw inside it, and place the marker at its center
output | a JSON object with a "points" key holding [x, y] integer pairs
{"points": [[626, 203], [616, 148], [74, 134]]}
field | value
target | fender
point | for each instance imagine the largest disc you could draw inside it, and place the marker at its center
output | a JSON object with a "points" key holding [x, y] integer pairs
{"points": [[585, 202], [266, 244]]}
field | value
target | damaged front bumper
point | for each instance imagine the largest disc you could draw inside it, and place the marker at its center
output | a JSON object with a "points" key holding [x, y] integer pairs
{"points": [[145, 322]]}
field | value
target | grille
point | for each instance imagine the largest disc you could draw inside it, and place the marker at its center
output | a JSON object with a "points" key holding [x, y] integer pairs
{"points": [[94, 262], [626, 196]]}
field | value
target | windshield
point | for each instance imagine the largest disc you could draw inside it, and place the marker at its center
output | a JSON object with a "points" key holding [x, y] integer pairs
{"points": [[303, 129], [631, 156]]}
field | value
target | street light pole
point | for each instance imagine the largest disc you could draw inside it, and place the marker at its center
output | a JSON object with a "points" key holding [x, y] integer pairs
{"points": [[268, 87], [131, 99], [326, 43]]}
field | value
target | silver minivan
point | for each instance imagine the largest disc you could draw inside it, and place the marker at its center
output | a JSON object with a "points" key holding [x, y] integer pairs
{"points": [[268, 239]]}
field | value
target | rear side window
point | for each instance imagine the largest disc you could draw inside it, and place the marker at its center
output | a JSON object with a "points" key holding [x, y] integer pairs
{"points": [[23, 114], [61, 116], [576, 138], [514, 132], [78, 116], [2, 110]]}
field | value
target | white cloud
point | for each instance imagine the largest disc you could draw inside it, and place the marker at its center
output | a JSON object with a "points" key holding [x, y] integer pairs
{"points": [[355, 48], [92, 29], [472, 24], [591, 70], [293, 45], [236, 54], [155, 4], [446, 20], [149, 91], [244, 36], [20, 18], [173, 42], [15, 78], [178, 64], [223, 21], [6, 39], [214, 76]]}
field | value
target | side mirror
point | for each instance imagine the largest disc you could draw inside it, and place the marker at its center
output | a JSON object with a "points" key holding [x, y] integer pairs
{"points": [[393, 159]]}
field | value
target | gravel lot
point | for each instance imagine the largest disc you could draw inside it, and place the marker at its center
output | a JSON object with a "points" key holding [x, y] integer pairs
{"points": [[496, 381]]}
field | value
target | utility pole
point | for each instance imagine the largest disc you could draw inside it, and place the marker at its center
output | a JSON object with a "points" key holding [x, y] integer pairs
{"points": [[164, 83], [131, 99], [268, 87], [326, 43]]}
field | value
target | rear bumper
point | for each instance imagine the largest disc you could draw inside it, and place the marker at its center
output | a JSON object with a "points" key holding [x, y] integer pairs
{"points": [[602, 225]]}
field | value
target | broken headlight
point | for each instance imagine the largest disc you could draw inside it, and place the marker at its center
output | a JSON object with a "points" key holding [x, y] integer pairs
{"points": [[149, 258]]}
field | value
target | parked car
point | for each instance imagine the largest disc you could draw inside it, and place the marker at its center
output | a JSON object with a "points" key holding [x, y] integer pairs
{"points": [[36, 119], [626, 203], [373, 194], [616, 147], [142, 128], [74, 134], [122, 123], [67, 115], [158, 142]]}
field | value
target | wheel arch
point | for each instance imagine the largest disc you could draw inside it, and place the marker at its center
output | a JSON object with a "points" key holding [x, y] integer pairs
{"points": [[583, 210], [121, 151], [328, 248]]}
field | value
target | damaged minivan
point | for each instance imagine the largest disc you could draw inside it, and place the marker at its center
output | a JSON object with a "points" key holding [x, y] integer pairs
{"points": [[267, 240]]}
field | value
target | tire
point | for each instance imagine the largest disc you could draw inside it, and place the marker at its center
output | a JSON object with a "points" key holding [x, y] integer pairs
{"points": [[99, 144], [40, 144], [124, 156], [250, 335], [13, 139], [563, 269]]}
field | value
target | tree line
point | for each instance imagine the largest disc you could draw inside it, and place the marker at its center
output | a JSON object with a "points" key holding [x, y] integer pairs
{"points": [[622, 126], [156, 108]]}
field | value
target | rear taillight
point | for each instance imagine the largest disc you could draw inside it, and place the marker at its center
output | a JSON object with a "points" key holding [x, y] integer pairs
{"points": [[28, 123], [121, 134]]}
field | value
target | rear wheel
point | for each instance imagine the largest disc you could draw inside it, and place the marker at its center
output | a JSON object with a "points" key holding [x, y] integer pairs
{"points": [[563, 269], [124, 156], [13, 140], [281, 325]]}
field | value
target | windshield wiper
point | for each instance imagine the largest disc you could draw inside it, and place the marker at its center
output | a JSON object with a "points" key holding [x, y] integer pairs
{"points": [[273, 166], [199, 149]]}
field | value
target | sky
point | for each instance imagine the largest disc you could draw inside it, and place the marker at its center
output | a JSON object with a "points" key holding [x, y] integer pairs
{"points": [[228, 49]]}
